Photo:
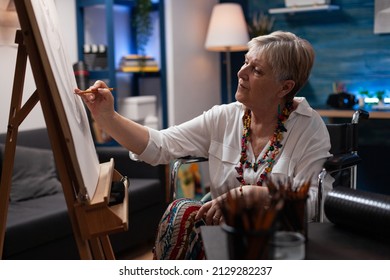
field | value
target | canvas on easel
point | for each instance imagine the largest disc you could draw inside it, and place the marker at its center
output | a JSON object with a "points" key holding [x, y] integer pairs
{"points": [[86, 183], [46, 19]]}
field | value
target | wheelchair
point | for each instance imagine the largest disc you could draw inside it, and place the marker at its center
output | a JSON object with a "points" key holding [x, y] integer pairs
{"points": [[342, 165]]}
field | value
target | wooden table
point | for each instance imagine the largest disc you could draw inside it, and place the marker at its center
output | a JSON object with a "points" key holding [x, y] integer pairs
{"points": [[333, 113]]}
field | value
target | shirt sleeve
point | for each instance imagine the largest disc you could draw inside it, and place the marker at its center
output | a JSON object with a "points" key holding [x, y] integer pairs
{"points": [[191, 138]]}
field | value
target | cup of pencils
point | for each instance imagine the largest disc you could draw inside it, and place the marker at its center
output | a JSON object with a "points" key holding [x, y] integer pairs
{"points": [[249, 228], [293, 215]]}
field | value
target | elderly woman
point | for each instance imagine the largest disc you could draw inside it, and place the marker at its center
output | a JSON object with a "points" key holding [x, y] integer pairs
{"points": [[267, 131]]}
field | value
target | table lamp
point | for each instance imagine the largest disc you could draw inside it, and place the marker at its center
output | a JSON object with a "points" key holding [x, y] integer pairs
{"points": [[227, 32]]}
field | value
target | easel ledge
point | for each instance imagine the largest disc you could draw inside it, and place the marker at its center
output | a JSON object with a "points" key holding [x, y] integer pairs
{"points": [[96, 217]]}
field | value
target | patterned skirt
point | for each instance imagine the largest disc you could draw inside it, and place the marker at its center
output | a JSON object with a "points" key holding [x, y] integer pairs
{"points": [[178, 235]]}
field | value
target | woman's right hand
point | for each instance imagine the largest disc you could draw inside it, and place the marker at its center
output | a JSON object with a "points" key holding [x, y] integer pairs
{"points": [[210, 212], [100, 102]]}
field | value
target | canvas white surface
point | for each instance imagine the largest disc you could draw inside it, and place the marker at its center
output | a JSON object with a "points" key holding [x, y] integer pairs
{"points": [[46, 17]]}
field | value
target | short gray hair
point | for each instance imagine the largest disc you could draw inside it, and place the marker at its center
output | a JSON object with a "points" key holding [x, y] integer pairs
{"points": [[290, 57]]}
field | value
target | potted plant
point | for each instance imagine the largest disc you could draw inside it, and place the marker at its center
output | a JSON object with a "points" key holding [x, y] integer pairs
{"points": [[380, 94], [142, 24], [260, 24], [363, 93]]}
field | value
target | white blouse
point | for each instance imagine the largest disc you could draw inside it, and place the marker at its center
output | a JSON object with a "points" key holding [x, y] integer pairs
{"points": [[217, 133]]}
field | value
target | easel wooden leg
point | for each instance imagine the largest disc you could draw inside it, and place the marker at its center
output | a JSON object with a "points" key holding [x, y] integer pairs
{"points": [[97, 250], [108, 252], [101, 248], [16, 116]]}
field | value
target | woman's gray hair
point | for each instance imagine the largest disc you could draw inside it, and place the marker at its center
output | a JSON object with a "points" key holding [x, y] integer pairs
{"points": [[290, 57]]}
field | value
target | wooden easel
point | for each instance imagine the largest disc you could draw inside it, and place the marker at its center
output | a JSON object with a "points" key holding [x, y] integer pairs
{"points": [[92, 220]]}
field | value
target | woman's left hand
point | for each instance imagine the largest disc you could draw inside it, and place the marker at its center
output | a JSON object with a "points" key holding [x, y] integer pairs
{"points": [[210, 212]]}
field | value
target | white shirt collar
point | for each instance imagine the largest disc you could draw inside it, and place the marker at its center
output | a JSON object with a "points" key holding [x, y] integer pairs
{"points": [[303, 107]]}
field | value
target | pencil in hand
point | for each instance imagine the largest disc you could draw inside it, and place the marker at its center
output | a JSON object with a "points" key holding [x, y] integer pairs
{"points": [[90, 91]]}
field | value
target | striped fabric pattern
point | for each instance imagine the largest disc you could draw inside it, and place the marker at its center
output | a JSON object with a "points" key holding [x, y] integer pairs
{"points": [[178, 235]]}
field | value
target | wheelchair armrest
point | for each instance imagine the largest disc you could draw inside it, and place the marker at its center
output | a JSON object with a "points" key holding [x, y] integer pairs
{"points": [[191, 159], [174, 172], [341, 161], [333, 164], [360, 114]]}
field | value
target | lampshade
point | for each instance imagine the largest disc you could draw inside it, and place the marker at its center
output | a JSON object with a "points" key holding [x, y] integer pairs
{"points": [[227, 29]]}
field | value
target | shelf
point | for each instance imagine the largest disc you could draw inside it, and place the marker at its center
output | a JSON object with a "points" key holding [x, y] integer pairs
{"points": [[142, 73], [313, 8]]}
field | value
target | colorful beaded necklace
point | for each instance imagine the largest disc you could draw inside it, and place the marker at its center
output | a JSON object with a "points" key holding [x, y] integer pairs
{"points": [[272, 151]]}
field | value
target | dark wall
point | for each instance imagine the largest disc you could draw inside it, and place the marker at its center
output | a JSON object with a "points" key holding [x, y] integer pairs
{"points": [[347, 50]]}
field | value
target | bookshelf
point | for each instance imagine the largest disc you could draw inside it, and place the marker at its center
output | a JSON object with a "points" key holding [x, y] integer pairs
{"points": [[118, 44]]}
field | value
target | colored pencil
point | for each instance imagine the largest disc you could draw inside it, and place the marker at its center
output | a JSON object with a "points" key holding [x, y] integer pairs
{"points": [[91, 91]]}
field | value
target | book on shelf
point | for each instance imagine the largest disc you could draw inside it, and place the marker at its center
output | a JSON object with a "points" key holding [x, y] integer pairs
{"points": [[138, 63], [139, 68]]}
